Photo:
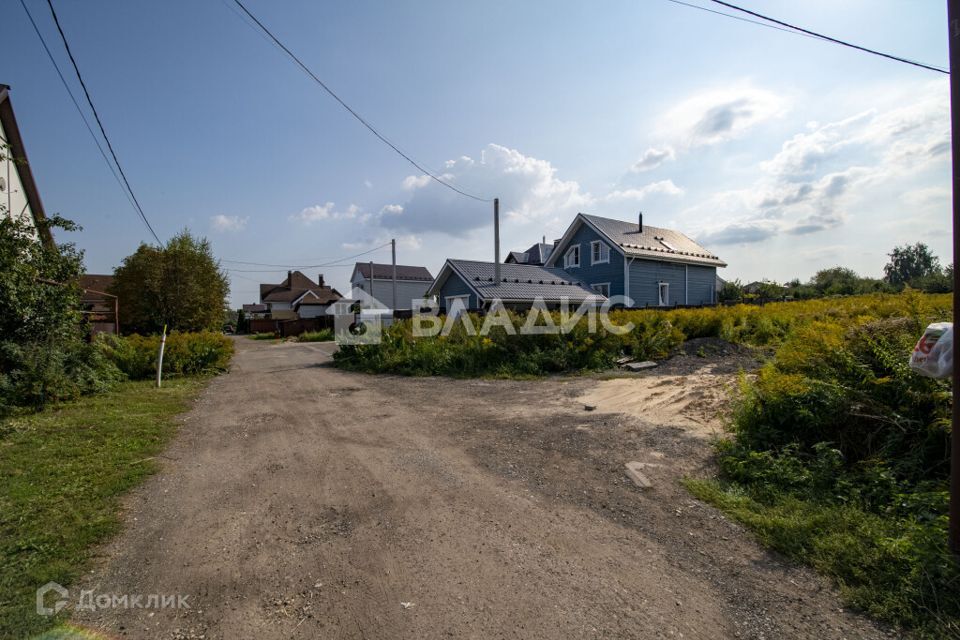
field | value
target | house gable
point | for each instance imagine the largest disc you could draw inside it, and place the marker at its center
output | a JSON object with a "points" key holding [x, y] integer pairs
{"points": [[21, 196], [607, 270]]}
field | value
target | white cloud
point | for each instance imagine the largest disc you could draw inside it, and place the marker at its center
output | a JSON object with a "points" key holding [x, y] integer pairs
{"points": [[528, 188], [320, 212], [663, 187], [224, 223], [653, 158], [718, 115], [411, 183], [391, 209], [821, 176]]}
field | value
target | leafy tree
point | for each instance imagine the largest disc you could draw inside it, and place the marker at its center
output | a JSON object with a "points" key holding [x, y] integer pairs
{"points": [[731, 290], [180, 285], [836, 281], [910, 263], [44, 356]]}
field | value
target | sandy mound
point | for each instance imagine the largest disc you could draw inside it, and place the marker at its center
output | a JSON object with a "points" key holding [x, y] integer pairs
{"points": [[694, 402]]}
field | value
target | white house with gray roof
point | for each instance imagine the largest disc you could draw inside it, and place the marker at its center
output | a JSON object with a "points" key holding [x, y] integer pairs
{"points": [[412, 283]]}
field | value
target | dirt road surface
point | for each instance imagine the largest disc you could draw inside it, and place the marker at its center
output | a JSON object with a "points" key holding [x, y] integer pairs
{"points": [[301, 501]]}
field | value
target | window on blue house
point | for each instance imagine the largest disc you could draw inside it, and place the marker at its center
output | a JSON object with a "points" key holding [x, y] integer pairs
{"points": [[572, 258], [599, 252], [602, 288]]}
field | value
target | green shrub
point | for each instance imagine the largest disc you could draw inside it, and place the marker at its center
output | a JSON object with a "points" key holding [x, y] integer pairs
{"points": [[44, 357], [655, 333], [263, 336], [840, 458], [197, 353], [323, 335]]}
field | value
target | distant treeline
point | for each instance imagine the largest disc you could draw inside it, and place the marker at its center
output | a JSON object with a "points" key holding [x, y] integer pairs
{"points": [[912, 266]]}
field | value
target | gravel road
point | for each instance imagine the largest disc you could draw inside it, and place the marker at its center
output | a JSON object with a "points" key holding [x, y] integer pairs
{"points": [[300, 501]]}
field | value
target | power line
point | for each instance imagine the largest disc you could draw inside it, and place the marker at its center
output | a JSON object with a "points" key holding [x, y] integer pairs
{"points": [[332, 263], [103, 131], [356, 115], [741, 19], [829, 39], [73, 98]]}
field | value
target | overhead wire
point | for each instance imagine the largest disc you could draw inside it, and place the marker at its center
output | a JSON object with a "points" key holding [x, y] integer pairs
{"points": [[334, 262], [103, 131], [352, 112], [76, 104], [827, 38]]}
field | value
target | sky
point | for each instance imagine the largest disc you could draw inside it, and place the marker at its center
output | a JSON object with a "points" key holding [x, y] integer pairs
{"points": [[780, 153]]}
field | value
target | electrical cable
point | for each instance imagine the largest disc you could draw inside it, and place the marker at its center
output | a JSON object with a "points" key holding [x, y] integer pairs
{"points": [[103, 131], [356, 115], [829, 39]]}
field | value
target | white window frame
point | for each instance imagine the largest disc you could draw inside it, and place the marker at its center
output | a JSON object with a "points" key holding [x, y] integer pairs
{"points": [[663, 294], [604, 258], [466, 304], [601, 284], [567, 261]]}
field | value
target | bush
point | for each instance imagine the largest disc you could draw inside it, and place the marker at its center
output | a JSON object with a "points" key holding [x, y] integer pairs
{"points": [[44, 357], [204, 352], [263, 336], [655, 333], [841, 459], [323, 335]]}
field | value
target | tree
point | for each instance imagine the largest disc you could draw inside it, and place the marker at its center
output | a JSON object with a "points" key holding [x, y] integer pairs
{"points": [[910, 263], [731, 290], [836, 281], [44, 356], [180, 285]]}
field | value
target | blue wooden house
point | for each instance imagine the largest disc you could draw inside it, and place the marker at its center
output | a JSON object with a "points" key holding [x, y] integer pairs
{"points": [[597, 258], [473, 286], [649, 265]]}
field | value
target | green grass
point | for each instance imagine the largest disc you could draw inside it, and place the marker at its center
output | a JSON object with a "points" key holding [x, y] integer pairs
{"points": [[263, 336], [840, 457], [63, 472], [895, 569], [323, 335]]}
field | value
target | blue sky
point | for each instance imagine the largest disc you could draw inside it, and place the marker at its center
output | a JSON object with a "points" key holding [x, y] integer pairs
{"points": [[780, 153]]}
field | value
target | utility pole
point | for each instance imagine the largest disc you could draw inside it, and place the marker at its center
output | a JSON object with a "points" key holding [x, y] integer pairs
{"points": [[953, 26], [393, 253], [371, 278], [496, 242]]}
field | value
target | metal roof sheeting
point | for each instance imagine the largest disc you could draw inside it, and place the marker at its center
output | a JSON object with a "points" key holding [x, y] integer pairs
{"points": [[653, 242], [522, 282]]}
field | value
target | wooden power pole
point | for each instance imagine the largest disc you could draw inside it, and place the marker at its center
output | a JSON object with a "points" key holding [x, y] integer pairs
{"points": [[393, 253], [953, 25]]}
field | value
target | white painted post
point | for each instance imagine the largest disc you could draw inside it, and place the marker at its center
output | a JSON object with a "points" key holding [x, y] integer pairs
{"points": [[163, 343]]}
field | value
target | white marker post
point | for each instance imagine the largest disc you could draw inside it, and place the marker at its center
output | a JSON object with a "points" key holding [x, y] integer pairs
{"points": [[163, 343]]}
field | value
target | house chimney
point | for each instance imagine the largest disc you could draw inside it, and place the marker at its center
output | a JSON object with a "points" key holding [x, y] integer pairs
{"points": [[320, 280], [556, 242], [290, 279], [640, 223], [544, 240]]}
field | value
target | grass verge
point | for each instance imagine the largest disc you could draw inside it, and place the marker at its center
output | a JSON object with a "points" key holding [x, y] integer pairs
{"points": [[894, 569], [64, 471], [323, 335], [263, 336]]}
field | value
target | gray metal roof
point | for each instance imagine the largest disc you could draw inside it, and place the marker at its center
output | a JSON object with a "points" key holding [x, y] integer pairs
{"points": [[519, 282], [653, 242], [385, 271], [537, 254]]}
